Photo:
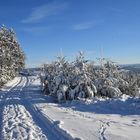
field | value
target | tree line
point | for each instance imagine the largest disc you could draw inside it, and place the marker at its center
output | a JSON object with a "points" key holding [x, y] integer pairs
{"points": [[81, 78]]}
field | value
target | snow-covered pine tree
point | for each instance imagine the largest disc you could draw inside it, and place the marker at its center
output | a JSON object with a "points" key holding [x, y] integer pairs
{"points": [[11, 55], [84, 86], [81, 79]]}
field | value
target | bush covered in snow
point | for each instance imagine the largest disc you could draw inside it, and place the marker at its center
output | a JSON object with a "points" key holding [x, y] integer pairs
{"points": [[11, 55], [81, 79]]}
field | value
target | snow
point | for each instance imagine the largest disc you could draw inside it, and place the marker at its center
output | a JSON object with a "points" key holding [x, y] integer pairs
{"points": [[19, 121], [8, 86], [138, 92], [97, 119], [19, 124], [88, 125], [28, 114]]}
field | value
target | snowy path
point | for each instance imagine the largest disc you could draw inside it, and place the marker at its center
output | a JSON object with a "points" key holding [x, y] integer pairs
{"points": [[19, 119], [80, 120], [29, 115]]}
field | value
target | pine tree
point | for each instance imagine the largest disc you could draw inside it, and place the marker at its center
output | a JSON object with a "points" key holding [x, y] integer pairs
{"points": [[11, 55]]}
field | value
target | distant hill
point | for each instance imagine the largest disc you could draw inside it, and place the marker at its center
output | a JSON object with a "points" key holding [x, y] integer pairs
{"points": [[132, 67]]}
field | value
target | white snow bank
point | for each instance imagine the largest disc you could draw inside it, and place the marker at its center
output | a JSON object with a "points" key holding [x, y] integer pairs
{"points": [[8, 86]]}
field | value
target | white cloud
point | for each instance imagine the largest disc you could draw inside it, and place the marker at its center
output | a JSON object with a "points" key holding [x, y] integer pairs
{"points": [[44, 11], [83, 26], [35, 29]]}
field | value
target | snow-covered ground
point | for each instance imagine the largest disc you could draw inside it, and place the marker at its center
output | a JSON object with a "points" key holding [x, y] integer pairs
{"points": [[28, 114], [19, 120]]}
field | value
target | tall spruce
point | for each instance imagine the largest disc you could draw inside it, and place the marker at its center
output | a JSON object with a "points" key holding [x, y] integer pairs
{"points": [[11, 55]]}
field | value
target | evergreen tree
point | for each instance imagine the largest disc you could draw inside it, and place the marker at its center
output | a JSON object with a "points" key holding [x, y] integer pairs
{"points": [[11, 55]]}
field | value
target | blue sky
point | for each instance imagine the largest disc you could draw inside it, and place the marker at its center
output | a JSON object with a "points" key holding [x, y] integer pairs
{"points": [[44, 27]]}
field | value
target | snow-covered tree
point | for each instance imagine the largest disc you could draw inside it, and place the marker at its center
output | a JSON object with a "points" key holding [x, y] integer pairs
{"points": [[11, 56], [81, 79]]}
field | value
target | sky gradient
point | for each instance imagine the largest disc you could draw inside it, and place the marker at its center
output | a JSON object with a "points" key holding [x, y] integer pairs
{"points": [[46, 27]]}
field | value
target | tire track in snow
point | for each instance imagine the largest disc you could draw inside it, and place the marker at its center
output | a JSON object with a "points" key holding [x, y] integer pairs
{"points": [[17, 121], [3, 101], [45, 123], [9, 114]]}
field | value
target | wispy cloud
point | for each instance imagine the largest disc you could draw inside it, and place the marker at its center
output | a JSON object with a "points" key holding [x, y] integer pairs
{"points": [[44, 11], [83, 26], [35, 29]]}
